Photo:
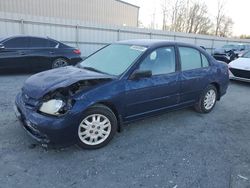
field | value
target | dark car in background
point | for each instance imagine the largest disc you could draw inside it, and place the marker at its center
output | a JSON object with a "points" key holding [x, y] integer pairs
{"points": [[120, 83], [30, 53], [230, 52]]}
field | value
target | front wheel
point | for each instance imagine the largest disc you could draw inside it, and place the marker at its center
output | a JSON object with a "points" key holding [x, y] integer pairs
{"points": [[97, 128], [207, 100]]}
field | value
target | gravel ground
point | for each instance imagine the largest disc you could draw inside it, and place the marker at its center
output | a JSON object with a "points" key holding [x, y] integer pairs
{"points": [[177, 149]]}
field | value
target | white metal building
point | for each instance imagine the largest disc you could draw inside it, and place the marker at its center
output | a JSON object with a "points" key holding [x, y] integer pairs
{"points": [[107, 12]]}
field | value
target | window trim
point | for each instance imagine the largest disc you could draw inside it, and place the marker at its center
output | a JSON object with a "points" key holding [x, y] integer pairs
{"points": [[175, 55]]}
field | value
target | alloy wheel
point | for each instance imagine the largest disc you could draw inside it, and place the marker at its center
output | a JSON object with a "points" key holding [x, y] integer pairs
{"points": [[94, 129], [59, 63], [210, 99]]}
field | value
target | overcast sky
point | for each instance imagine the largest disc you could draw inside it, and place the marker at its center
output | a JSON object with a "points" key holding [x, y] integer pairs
{"points": [[238, 10]]}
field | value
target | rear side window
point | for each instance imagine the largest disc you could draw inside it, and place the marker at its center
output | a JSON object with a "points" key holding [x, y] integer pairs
{"points": [[20, 42], [204, 61], [52, 44], [39, 43], [190, 58]]}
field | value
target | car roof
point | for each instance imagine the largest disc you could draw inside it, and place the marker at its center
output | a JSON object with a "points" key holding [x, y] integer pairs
{"points": [[16, 36], [153, 42]]}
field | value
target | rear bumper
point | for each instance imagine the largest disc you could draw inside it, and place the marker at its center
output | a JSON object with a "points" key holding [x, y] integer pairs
{"points": [[75, 60]]}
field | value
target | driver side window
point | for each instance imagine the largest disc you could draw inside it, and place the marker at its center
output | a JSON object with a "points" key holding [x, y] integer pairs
{"points": [[160, 61]]}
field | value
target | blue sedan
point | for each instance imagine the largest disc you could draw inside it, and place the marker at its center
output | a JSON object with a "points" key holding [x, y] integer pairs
{"points": [[120, 83]]}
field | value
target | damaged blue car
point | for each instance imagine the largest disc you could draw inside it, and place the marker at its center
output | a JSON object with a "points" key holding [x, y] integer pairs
{"points": [[122, 82]]}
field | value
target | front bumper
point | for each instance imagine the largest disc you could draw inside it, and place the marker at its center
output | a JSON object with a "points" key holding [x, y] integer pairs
{"points": [[47, 129], [30, 128], [233, 77]]}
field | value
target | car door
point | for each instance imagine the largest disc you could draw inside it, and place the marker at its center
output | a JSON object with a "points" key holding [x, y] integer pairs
{"points": [[158, 92], [194, 75], [42, 52], [14, 54]]}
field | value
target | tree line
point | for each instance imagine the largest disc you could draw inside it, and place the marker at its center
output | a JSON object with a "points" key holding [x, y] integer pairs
{"points": [[191, 16]]}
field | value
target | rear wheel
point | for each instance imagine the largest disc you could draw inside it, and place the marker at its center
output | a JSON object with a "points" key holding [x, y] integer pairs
{"points": [[97, 128], [60, 62], [207, 100]]}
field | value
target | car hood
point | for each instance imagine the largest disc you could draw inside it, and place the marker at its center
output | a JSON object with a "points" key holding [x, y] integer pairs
{"points": [[40, 84], [241, 63]]}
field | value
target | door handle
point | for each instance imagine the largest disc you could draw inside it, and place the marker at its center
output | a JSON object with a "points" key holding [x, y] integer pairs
{"points": [[21, 53], [51, 52]]}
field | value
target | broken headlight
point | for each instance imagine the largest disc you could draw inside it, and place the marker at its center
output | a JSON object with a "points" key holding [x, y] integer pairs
{"points": [[52, 107]]}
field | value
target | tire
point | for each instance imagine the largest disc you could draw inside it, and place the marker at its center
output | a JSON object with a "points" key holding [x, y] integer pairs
{"points": [[99, 134], [59, 62], [206, 104]]}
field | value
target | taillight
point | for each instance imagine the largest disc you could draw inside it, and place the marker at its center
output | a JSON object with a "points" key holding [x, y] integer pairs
{"points": [[76, 51]]}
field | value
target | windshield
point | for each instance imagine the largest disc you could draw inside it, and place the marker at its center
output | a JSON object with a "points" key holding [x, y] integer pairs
{"points": [[246, 55], [113, 59]]}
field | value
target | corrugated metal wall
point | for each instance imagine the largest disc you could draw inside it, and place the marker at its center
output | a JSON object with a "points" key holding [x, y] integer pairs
{"points": [[90, 37], [110, 12]]}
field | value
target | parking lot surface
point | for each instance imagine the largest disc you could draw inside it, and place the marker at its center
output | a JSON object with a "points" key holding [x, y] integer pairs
{"points": [[176, 149]]}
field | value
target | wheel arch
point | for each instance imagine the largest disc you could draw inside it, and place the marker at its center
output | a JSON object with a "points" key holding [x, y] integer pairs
{"points": [[217, 86], [61, 57], [113, 107]]}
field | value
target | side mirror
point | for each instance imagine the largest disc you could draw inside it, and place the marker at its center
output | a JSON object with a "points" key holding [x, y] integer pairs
{"points": [[2, 47], [141, 74]]}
